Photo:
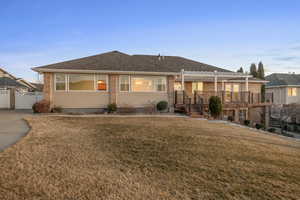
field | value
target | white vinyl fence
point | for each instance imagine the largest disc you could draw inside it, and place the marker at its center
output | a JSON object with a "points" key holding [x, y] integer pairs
{"points": [[4, 99], [25, 100]]}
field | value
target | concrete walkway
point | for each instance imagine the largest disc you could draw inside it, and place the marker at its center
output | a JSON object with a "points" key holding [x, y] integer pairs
{"points": [[12, 127]]}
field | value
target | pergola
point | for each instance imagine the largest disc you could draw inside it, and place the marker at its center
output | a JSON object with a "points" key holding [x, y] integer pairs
{"points": [[216, 76]]}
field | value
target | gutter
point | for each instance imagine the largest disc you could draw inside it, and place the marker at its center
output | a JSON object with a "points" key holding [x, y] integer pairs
{"points": [[281, 86], [102, 71]]}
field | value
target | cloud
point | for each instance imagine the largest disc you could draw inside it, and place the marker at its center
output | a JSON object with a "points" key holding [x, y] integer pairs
{"points": [[287, 58], [295, 48]]}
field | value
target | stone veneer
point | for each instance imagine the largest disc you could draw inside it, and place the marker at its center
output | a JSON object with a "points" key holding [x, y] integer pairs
{"points": [[48, 88]]}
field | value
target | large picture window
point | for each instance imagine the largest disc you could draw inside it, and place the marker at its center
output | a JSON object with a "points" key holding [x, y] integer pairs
{"points": [[81, 82], [148, 84], [60, 82]]}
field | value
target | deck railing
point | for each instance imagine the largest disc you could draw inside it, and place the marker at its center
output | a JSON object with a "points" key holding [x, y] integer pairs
{"points": [[182, 98], [226, 97]]}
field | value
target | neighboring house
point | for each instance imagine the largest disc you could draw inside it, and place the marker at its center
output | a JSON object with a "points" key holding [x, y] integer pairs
{"points": [[140, 81], [8, 81], [284, 87], [38, 86]]}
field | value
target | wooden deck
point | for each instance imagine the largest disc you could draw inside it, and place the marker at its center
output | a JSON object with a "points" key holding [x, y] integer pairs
{"points": [[198, 104]]}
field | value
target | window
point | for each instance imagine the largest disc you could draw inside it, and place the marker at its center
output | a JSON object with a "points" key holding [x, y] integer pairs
{"points": [[83, 82], [236, 88], [160, 84], [177, 86], [228, 95], [60, 82], [197, 86], [101, 82], [124, 83], [292, 92], [228, 87], [148, 84]]}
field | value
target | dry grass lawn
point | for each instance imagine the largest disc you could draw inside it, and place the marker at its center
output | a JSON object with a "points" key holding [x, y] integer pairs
{"points": [[74, 158]]}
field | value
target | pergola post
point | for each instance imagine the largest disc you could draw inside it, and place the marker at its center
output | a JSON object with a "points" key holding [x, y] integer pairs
{"points": [[216, 81], [182, 79], [247, 84]]}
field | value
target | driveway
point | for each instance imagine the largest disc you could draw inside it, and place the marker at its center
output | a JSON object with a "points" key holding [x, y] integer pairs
{"points": [[12, 127]]}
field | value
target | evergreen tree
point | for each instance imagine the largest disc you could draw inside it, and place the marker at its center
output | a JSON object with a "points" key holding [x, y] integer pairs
{"points": [[261, 71], [241, 70], [253, 70]]}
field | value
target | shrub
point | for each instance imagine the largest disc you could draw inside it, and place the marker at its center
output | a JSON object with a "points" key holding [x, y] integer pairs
{"points": [[112, 108], [247, 122], [56, 109], [41, 107], [272, 130], [259, 126], [215, 106], [162, 105]]}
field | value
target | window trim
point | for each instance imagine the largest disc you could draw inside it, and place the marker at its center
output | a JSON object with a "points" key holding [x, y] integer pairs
{"points": [[155, 91], [129, 89], [66, 83]]}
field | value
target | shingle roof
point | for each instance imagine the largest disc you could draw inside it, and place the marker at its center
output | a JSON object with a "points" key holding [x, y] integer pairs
{"points": [[283, 79], [118, 61], [8, 82]]}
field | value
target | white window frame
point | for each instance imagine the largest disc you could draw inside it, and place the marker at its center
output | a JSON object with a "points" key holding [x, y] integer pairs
{"points": [[129, 78], [67, 82], [154, 91]]}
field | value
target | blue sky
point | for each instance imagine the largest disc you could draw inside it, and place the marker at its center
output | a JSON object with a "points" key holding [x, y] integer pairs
{"points": [[227, 34]]}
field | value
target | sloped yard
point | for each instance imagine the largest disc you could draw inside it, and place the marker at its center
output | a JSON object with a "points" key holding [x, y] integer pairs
{"points": [[147, 158]]}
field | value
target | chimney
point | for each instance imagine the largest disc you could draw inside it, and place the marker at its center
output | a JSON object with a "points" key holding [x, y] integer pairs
{"points": [[159, 57]]}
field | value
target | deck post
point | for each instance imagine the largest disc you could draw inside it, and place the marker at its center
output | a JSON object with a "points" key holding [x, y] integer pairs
{"points": [[216, 81]]}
